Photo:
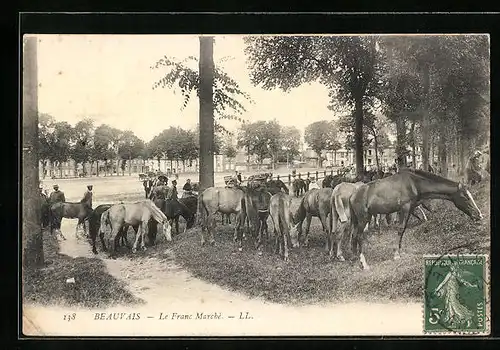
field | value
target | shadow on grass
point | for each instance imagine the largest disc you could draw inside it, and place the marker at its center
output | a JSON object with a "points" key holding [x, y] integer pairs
{"points": [[310, 276], [94, 287]]}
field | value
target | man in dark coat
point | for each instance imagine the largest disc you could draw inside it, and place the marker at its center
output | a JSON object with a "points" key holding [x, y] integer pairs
{"points": [[87, 196], [56, 196]]}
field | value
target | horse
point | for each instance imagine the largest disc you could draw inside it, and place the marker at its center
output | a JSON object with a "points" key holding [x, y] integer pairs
{"points": [[94, 223], [339, 203], [279, 210], [259, 199], [68, 210], [316, 202], [333, 180], [403, 191], [276, 186], [148, 186], [299, 187], [175, 208], [226, 201], [122, 216]]}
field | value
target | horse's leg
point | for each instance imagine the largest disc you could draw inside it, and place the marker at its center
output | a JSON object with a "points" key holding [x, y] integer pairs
{"points": [[407, 209], [361, 240], [306, 233], [144, 232], [176, 219], [338, 240], [137, 237], [210, 229], [324, 218], [285, 246]]}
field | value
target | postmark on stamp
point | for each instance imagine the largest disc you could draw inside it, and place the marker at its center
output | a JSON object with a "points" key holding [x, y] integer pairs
{"points": [[456, 294]]}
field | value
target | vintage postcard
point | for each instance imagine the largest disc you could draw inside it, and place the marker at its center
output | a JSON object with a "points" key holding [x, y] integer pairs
{"points": [[256, 185]]}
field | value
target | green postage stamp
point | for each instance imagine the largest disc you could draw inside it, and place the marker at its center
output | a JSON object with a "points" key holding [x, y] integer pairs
{"points": [[456, 294]]}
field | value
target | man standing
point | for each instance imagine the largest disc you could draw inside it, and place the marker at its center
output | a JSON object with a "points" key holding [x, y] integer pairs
{"points": [[87, 197], [239, 178], [473, 169], [57, 196]]}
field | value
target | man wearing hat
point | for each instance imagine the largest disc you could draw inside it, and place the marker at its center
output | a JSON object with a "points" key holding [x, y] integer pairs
{"points": [[473, 169], [57, 196], [87, 196]]}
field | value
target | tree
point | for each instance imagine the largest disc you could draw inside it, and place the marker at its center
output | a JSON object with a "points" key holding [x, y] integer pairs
{"points": [[290, 142], [45, 134], [61, 144], [320, 136], [104, 137], [31, 230], [81, 152], [346, 65], [130, 147], [261, 138], [217, 93]]}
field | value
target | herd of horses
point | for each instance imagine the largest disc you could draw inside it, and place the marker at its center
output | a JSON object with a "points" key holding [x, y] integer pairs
{"points": [[343, 205]]}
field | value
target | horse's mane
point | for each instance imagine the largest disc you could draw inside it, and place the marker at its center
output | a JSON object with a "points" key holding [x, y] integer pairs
{"points": [[430, 176], [155, 211]]}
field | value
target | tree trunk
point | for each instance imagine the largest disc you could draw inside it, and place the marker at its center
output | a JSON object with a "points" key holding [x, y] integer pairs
{"points": [[206, 73], [129, 165], [97, 168], [335, 157], [248, 158], [400, 140], [358, 135], [32, 232], [443, 161], [375, 144], [425, 116], [413, 146], [60, 170]]}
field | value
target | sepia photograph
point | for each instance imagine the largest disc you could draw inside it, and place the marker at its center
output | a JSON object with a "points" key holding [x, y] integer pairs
{"points": [[255, 185]]}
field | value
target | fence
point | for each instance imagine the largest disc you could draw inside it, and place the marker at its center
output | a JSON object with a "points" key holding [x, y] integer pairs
{"points": [[318, 175]]}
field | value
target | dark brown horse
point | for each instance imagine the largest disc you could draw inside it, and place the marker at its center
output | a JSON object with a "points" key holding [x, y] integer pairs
{"points": [[68, 210], [316, 202], [94, 223], [259, 199], [122, 216], [284, 230], [403, 191], [299, 187], [175, 208]]}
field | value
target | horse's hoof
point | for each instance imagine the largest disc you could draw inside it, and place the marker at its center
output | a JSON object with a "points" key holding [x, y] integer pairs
{"points": [[134, 250], [340, 258], [240, 249], [212, 243], [259, 253], [144, 248]]}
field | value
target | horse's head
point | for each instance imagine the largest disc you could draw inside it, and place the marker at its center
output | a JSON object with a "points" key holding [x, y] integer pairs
{"points": [[463, 200], [167, 230]]}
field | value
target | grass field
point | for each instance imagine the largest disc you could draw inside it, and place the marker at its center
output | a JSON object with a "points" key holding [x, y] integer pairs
{"points": [[310, 276], [94, 287]]}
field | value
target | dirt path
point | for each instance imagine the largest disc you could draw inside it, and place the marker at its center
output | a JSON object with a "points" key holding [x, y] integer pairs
{"points": [[168, 289]]}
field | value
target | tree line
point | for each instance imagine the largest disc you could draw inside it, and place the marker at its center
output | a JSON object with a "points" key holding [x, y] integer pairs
{"points": [[434, 90], [87, 144]]}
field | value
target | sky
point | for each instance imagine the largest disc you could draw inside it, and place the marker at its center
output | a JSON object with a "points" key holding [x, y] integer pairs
{"points": [[109, 78]]}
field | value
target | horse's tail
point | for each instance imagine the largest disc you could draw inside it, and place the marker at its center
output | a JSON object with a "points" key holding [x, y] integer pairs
{"points": [[104, 222], [354, 221]]}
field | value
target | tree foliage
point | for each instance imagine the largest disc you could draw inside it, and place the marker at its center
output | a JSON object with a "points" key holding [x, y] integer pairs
{"points": [[346, 65], [183, 77]]}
